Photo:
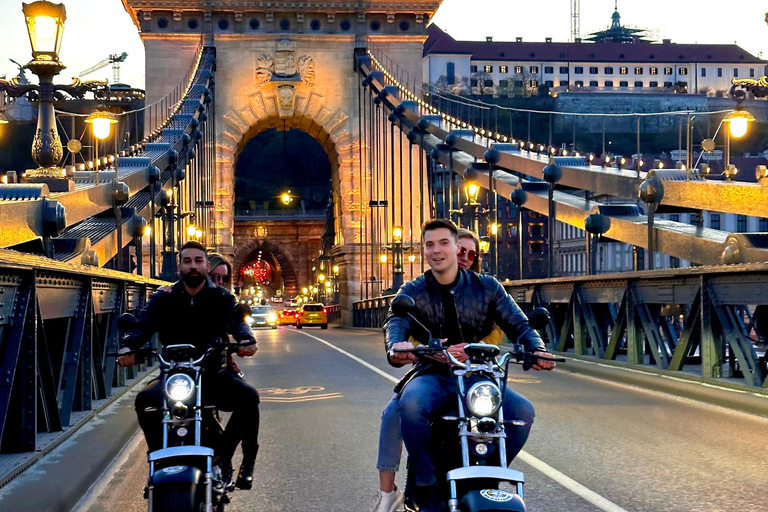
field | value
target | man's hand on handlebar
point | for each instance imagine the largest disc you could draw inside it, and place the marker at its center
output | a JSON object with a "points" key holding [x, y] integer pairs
{"points": [[126, 360], [540, 363], [402, 357], [247, 350], [456, 351]]}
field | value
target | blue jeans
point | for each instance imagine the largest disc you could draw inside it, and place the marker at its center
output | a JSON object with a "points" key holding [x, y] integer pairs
{"points": [[428, 396], [390, 437]]}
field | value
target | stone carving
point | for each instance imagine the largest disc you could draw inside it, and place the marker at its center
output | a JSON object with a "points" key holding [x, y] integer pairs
{"points": [[285, 97], [260, 232], [222, 191], [285, 67]]}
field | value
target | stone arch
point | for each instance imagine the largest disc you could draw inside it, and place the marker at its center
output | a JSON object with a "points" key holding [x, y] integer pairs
{"points": [[290, 106], [286, 267]]}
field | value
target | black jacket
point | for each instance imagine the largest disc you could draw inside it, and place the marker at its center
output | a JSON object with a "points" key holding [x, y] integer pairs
{"points": [[481, 302], [178, 318]]}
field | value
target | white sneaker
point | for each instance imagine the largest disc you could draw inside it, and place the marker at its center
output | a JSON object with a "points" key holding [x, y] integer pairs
{"points": [[387, 501]]}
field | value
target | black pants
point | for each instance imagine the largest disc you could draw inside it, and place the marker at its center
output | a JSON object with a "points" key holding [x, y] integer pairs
{"points": [[226, 391]]}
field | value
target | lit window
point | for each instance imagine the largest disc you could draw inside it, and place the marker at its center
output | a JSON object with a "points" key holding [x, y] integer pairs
{"points": [[683, 71], [488, 69], [534, 69], [654, 71], [667, 71], [623, 71], [503, 69], [638, 70], [518, 70]]}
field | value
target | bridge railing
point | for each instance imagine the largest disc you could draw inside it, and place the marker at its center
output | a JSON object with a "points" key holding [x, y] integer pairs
{"points": [[58, 322], [703, 321], [333, 311]]}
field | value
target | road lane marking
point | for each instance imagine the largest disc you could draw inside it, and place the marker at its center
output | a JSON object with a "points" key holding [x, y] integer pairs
{"points": [[307, 398], [569, 483]]}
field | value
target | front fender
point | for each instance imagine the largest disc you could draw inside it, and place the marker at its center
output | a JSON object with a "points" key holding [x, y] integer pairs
{"points": [[492, 500]]}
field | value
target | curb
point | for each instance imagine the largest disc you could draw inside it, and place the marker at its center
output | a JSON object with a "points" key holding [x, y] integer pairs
{"points": [[712, 391], [66, 434]]}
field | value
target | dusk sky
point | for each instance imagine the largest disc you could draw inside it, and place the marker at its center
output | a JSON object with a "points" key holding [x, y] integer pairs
{"points": [[97, 28]]}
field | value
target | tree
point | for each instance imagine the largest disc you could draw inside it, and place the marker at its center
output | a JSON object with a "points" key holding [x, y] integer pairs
{"points": [[459, 86], [480, 81]]}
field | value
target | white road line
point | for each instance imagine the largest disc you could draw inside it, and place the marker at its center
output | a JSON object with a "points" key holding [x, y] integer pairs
{"points": [[569, 483]]}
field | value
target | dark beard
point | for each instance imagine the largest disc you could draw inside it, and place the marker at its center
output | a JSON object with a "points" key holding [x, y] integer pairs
{"points": [[193, 280]]}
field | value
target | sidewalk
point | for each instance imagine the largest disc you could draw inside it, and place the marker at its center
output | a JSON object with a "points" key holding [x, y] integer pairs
{"points": [[54, 478]]}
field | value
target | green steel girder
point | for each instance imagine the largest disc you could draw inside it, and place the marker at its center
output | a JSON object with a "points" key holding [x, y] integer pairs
{"points": [[618, 330], [686, 342]]}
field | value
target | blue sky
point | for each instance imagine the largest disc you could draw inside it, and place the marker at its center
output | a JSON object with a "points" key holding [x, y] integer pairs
{"points": [[97, 28]]}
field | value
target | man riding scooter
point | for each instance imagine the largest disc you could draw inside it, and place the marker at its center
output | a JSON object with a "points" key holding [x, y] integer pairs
{"points": [[459, 307]]}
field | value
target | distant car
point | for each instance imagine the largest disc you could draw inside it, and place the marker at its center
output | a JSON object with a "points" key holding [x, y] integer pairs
{"points": [[262, 316], [312, 314], [276, 298], [286, 316]]}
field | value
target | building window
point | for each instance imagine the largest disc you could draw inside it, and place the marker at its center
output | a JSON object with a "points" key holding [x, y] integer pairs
{"points": [[675, 217], [503, 84], [578, 70], [654, 71], [623, 83], [638, 70], [609, 83], [653, 84], [533, 69], [473, 82], [682, 71], [638, 84], [719, 72], [564, 69], [703, 72], [667, 71], [473, 69], [518, 83], [593, 83], [533, 83], [549, 70], [550, 83], [563, 83], [667, 85], [674, 262], [488, 83], [518, 70], [741, 223], [735, 72], [762, 225], [623, 70], [692, 219], [714, 220], [450, 73], [488, 69], [504, 69], [751, 72], [579, 83], [608, 70], [593, 70]]}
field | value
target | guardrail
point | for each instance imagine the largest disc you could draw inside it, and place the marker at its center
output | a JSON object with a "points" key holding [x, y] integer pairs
{"points": [[705, 321], [333, 311], [57, 323]]}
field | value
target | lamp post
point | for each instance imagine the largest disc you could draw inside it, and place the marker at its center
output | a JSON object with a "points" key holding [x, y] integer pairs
{"points": [[335, 278], [651, 192], [45, 26], [101, 123], [551, 174], [472, 193], [397, 257], [518, 198], [168, 271]]}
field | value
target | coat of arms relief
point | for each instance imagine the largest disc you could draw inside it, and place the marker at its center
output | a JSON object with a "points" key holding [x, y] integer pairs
{"points": [[284, 66]]}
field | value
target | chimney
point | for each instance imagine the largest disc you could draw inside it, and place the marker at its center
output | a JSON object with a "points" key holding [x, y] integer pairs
{"points": [[666, 41], [488, 39], [518, 39], [548, 39], [577, 40]]}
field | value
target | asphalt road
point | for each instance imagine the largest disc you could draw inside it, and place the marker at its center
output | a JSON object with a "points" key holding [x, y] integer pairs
{"points": [[621, 447]]}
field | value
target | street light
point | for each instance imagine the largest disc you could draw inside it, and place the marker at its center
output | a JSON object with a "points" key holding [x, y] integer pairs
{"points": [[45, 26], [191, 229], [286, 198], [738, 122]]}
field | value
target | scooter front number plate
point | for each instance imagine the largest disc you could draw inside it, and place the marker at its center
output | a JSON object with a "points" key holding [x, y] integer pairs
{"points": [[496, 495]]}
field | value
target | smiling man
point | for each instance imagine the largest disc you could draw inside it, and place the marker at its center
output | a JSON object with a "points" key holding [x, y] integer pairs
{"points": [[459, 307]]}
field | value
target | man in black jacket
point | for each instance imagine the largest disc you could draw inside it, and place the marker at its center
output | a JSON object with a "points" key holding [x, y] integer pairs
{"points": [[459, 307], [197, 312]]}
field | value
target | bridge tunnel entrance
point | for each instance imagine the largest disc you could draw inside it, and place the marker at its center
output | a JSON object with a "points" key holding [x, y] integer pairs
{"points": [[282, 189]]}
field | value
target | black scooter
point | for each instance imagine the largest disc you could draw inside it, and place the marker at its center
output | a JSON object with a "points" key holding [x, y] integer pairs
{"points": [[182, 474], [470, 448]]}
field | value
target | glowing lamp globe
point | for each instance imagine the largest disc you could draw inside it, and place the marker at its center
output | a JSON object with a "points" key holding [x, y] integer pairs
{"points": [[738, 122], [101, 122], [45, 26]]}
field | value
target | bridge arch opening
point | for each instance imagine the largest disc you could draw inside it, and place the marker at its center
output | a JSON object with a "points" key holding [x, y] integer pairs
{"points": [[264, 264]]}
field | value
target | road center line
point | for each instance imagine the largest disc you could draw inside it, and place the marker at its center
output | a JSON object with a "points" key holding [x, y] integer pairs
{"points": [[569, 483]]}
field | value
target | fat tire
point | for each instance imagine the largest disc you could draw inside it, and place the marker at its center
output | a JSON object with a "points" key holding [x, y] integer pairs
{"points": [[177, 499], [298, 326], [324, 326]]}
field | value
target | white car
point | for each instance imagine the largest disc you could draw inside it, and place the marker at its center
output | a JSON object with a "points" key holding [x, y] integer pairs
{"points": [[262, 316]]}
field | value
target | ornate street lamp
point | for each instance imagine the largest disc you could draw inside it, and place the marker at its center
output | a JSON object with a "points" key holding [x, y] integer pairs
{"points": [[101, 123], [45, 26]]}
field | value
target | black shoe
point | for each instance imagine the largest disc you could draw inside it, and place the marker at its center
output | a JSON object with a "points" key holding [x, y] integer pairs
{"points": [[426, 498], [245, 476], [224, 481]]}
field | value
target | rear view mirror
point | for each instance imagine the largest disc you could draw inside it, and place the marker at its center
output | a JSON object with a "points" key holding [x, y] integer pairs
{"points": [[127, 323], [403, 305], [538, 318]]}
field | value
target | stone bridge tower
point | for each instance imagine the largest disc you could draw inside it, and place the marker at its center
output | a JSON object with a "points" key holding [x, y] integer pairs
{"points": [[285, 65]]}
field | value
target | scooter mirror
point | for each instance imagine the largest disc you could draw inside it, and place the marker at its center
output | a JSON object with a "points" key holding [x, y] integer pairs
{"points": [[538, 318], [403, 305], [127, 323]]}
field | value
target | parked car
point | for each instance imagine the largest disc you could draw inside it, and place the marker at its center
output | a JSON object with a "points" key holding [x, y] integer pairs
{"points": [[262, 316], [312, 314], [286, 316]]}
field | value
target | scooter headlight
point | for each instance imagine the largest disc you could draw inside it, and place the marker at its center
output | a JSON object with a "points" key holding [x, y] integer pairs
{"points": [[483, 399], [179, 387]]}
